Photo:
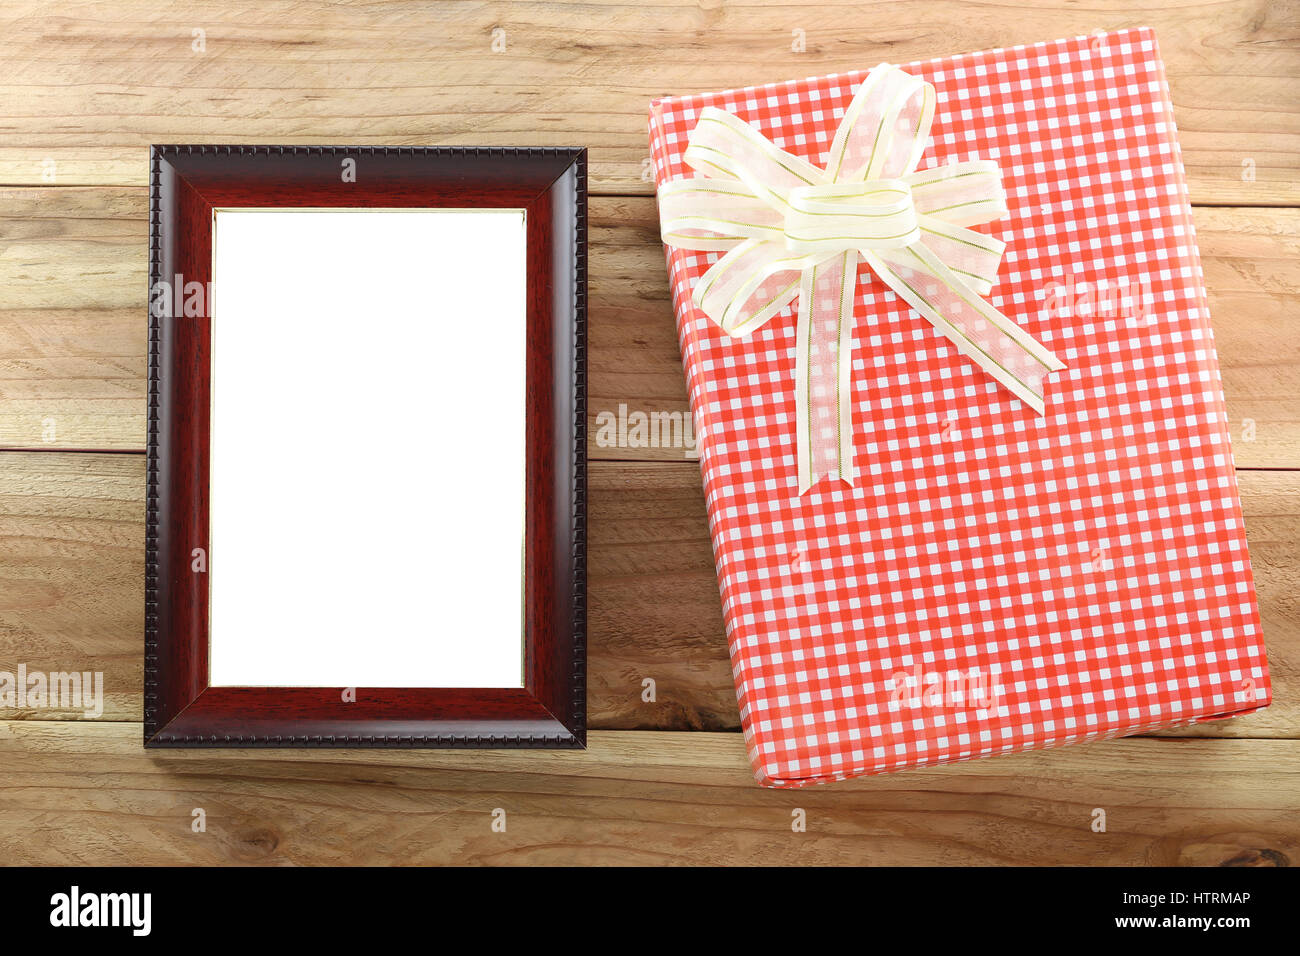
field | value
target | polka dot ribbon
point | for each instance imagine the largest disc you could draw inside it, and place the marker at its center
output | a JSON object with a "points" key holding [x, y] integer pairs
{"points": [[789, 229]]}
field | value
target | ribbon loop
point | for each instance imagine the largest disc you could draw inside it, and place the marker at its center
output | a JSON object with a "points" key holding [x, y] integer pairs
{"points": [[967, 194], [789, 229], [885, 129], [724, 143], [715, 215], [748, 286]]}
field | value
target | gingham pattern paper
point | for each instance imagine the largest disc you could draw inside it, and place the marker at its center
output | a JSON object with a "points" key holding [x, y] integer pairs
{"points": [[1091, 563]]}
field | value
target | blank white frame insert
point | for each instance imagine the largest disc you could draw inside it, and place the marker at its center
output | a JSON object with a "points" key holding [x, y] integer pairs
{"points": [[367, 448]]}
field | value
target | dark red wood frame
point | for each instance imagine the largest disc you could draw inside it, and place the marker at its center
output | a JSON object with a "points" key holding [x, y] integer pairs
{"points": [[181, 709]]}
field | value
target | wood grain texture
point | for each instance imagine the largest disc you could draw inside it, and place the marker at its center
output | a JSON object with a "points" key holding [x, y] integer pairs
{"points": [[72, 575], [72, 571], [87, 794], [89, 87], [73, 293]]}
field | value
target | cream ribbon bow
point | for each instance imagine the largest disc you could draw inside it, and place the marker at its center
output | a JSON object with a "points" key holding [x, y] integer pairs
{"points": [[790, 229]]}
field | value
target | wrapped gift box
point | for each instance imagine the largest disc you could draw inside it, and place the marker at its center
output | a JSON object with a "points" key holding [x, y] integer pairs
{"points": [[995, 580]]}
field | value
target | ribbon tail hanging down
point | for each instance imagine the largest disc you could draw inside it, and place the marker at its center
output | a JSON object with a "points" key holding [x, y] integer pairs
{"points": [[824, 371], [991, 340]]}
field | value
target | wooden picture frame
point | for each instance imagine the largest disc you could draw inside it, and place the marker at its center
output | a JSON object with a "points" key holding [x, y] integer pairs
{"points": [[182, 707]]}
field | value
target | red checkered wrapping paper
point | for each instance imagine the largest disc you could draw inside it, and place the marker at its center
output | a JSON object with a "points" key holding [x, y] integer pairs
{"points": [[996, 581]]}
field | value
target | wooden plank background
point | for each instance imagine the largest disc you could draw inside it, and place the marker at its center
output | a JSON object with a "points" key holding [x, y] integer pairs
{"points": [[92, 84], [88, 86], [88, 793]]}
